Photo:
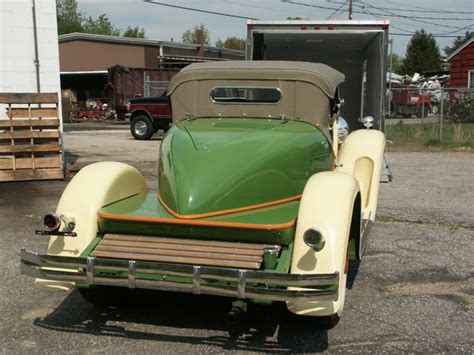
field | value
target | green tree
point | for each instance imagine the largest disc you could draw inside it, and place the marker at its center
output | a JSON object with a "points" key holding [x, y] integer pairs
{"points": [[69, 18], [100, 26], [458, 41], [134, 32], [422, 54], [232, 43], [396, 63], [191, 35]]}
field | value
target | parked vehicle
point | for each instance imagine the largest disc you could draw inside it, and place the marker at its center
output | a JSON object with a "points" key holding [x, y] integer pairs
{"points": [[408, 101], [148, 115], [257, 200]]}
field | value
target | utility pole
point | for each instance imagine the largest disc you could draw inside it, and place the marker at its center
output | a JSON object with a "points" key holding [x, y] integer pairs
{"points": [[350, 9]]}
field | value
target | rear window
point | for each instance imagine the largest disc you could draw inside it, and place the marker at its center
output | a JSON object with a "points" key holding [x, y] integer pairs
{"points": [[245, 95]]}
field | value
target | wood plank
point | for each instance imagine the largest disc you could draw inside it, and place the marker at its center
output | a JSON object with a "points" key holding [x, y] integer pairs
{"points": [[35, 112], [178, 260], [181, 247], [189, 241], [6, 163], [27, 163], [179, 253], [28, 134], [29, 98], [48, 122], [37, 174], [30, 148]]}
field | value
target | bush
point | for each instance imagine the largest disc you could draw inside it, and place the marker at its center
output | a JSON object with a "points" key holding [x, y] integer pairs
{"points": [[460, 107]]}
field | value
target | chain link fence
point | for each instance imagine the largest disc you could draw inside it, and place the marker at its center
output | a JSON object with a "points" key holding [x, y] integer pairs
{"points": [[436, 114], [154, 88]]}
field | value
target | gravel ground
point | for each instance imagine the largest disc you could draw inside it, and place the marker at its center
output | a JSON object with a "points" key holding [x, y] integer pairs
{"points": [[413, 292]]}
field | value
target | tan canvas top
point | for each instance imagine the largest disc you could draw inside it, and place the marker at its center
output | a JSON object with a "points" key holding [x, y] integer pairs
{"points": [[306, 90], [320, 75]]}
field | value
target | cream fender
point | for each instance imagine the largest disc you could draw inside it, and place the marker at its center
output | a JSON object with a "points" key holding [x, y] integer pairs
{"points": [[327, 204], [361, 155], [93, 187]]}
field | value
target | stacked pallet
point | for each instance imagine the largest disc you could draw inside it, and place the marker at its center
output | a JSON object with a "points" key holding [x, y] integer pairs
{"points": [[30, 138]]}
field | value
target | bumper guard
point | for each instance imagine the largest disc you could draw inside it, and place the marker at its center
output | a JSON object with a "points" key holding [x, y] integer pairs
{"points": [[244, 283]]}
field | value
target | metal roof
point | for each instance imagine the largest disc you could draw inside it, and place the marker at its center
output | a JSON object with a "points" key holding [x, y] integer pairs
{"points": [[143, 42]]}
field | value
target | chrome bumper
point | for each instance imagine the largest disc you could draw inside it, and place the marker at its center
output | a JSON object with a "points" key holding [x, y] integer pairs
{"points": [[245, 283]]}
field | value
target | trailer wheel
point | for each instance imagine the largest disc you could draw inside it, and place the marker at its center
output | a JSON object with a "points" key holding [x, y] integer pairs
{"points": [[142, 127]]}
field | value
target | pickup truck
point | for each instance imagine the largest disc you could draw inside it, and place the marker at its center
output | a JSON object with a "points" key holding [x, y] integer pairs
{"points": [[148, 115]]}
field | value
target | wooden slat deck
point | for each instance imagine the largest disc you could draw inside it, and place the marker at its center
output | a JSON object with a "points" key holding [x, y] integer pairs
{"points": [[182, 251]]}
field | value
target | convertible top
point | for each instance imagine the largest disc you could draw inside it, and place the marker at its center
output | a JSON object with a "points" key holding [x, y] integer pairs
{"points": [[320, 75], [307, 90]]}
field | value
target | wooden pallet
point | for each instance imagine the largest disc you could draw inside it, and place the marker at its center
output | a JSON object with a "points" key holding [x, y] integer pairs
{"points": [[30, 138]]}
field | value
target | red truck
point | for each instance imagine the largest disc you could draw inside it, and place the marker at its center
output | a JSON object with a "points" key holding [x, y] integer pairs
{"points": [[148, 115], [407, 101]]}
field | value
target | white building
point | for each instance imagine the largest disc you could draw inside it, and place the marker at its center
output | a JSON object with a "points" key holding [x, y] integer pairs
{"points": [[18, 56]]}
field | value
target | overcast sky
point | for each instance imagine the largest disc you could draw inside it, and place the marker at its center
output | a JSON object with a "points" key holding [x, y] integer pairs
{"points": [[165, 23]]}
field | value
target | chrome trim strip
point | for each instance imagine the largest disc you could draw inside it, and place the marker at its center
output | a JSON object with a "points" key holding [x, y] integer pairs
{"points": [[131, 274], [90, 270], [241, 284], [197, 280]]}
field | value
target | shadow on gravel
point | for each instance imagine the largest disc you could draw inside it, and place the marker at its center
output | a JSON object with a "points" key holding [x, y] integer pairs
{"points": [[71, 158], [264, 328]]}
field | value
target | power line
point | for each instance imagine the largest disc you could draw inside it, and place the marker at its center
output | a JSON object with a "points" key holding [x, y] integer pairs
{"points": [[411, 34], [415, 17], [410, 8], [335, 12], [418, 19], [463, 28], [200, 10], [423, 9]]}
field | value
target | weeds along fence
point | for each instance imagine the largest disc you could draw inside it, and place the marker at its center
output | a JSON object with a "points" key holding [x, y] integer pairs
{"points": [[439, 116]]}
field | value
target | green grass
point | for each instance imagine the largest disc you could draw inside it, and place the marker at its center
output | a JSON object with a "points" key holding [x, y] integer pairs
{"points": [[456, 136]]}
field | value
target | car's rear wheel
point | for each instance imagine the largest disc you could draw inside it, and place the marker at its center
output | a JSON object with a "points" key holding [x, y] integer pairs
{"points": [[142, 127]]}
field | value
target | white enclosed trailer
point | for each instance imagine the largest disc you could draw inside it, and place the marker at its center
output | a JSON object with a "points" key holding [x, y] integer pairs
{"points": [[358, 49]]}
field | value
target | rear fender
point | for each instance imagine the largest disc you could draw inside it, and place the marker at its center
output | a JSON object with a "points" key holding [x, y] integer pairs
{"points": [[327, 204], [93, 187]]}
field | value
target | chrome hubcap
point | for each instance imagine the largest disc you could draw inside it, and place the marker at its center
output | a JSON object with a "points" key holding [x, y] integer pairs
{"points": [[140, 128]]}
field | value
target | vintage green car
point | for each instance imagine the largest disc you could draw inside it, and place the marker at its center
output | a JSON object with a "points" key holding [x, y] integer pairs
{"points": [[257, 199]]}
